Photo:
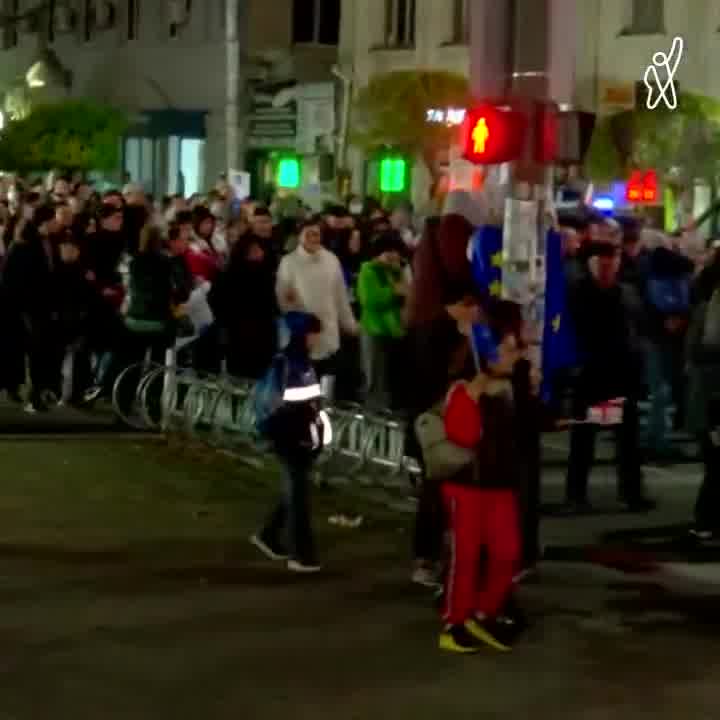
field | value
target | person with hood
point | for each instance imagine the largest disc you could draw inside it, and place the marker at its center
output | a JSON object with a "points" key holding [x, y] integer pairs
{"points": [[668, 296], [442, 283], [297, 430], [381, 292], [244, 304], [310, 279], [206, 259]]}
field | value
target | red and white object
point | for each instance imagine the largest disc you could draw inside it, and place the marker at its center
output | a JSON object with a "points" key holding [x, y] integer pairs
{"points": [[607, 413]]}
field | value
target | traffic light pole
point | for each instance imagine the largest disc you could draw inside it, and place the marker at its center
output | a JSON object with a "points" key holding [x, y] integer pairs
{"points": [[523, 51]]}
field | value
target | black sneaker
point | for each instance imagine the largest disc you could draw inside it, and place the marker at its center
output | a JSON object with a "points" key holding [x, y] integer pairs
{"points": [[272, 551], [457, 639]]}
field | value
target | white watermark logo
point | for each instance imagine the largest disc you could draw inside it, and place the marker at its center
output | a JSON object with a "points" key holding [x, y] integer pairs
{"points": [[663, 90]]}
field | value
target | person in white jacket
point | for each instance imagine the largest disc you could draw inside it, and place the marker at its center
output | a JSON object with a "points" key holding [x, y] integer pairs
{"points": [[310, 279]]}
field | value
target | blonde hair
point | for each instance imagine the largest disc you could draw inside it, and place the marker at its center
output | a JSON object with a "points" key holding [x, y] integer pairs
{"points": [[152, 239]]}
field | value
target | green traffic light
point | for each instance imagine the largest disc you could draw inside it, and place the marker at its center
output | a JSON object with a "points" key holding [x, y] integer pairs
{"points": [[288, 173], [393, 174]]}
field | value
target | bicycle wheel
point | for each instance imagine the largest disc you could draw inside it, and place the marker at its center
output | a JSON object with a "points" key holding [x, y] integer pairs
{"points": [[152, 405], [126, 395]]}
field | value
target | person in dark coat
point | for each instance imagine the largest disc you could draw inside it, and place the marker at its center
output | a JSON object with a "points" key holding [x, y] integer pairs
{"points": [[442, 280], [611, 368], [244, 304], [28, 282]]}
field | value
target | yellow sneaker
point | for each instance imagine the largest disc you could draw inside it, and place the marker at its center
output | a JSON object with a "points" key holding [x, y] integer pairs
{"points": [[486, 632], [456, 639]]}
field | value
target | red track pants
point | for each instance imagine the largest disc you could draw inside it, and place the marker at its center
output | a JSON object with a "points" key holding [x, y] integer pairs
{"points": [[480, 519]]}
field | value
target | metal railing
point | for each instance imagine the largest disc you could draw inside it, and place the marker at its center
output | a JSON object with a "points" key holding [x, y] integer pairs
{"points": [[218, 411]]}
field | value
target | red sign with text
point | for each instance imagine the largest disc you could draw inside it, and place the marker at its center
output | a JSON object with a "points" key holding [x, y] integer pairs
{"points": [[642, 187]]}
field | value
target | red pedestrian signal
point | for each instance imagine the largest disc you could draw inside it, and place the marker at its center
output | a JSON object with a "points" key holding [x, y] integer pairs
{"points": [[492, 135], [642, 187]]}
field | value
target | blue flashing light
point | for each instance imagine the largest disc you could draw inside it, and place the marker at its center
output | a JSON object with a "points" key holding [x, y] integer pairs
{"points": [[605, 204]]}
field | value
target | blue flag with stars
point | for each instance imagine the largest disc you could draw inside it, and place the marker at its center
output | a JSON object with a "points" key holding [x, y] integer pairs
{"points": [[559, 348], [486, 247]]}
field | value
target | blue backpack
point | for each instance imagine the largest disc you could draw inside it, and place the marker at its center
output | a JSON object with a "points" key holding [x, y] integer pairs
{"points": [[268, 394], [669, 294]]}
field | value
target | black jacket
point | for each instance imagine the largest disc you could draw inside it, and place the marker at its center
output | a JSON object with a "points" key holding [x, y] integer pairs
{"points": [[605, 322]]}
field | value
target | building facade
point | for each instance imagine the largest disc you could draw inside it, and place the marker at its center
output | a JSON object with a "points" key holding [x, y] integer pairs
{"points": [[379, 36], [615, 42], [167, 63], [620, 37]]}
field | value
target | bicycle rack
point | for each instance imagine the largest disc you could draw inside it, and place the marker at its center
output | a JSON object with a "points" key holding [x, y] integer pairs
{"points": [[218, 410]]}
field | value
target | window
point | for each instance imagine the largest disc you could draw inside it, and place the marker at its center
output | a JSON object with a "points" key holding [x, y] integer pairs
{"points": [[400, 23], [179, 15], [316, 21], [133, 8], [461, 22], [648, 18], [10, 32], [51, 21]]}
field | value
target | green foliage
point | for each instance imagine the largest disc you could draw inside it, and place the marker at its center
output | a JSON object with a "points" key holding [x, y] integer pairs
{"points": [[683, 145], [603, 162], [390, 112], [69, 135]]}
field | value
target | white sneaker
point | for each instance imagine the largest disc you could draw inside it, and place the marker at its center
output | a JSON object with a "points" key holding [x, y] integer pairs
{"points": [[30, 409], [298, 567], [265, 549], [425, 577]]}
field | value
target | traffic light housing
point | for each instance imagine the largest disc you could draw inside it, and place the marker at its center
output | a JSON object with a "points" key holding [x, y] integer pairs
{"points": [[393, 174], [493, 134]]}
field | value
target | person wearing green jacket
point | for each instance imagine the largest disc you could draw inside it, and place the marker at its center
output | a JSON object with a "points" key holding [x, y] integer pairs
{"points": [[381, 292]]}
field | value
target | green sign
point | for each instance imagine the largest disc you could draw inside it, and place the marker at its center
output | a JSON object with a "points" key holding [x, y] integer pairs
{"points": [[288, 173], [393, 174]]}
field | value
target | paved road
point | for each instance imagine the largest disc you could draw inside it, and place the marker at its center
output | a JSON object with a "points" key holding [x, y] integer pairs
{"points": [[128, 591], [65, 420]]}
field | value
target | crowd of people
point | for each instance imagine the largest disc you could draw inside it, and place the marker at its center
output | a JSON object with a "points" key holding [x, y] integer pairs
{"points": [[388, 313], [105, 279]]}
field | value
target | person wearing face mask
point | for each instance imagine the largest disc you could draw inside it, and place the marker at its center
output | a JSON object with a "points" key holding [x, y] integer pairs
{"points": [[310, 279], [243, 302], [603, 313]]}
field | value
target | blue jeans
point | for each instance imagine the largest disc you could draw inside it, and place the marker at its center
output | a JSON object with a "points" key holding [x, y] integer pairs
{"points": [[292, 513], [660, 384]]}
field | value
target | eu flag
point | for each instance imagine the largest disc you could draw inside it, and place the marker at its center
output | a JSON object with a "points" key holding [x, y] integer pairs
{"points": [[559, 348], [486, 247]]}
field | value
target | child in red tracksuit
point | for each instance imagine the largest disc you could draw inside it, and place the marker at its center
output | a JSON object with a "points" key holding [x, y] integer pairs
{"points": [[481, 501]]}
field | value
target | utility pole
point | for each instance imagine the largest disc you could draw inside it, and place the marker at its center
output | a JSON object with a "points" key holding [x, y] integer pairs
{"points": [[523, 52], [232, 104]]}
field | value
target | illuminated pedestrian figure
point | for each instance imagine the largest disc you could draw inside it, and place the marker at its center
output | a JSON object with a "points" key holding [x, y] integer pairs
{"points": [[480, 136], [666, 91]]}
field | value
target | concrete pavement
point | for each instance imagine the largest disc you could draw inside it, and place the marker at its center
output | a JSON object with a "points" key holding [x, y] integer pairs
{"points": [[128, 590]]}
